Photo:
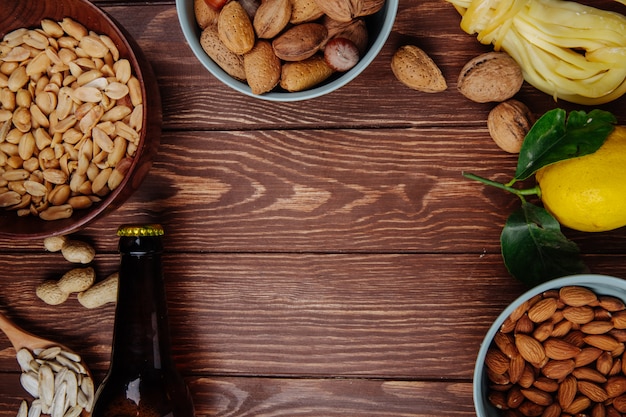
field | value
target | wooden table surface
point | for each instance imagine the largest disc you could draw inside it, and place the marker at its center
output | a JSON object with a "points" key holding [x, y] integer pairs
{"points": [[323, 258]]}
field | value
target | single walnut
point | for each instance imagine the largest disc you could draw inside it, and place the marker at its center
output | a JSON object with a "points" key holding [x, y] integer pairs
{"points": [[493, 76], [508, 124]]}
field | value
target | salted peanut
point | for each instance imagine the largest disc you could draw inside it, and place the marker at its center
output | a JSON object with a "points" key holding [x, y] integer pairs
{"points": [[271, 18], [50, 293], [54, 243], [77, 280], [302, 75], [235, 29], [63, 211], [73, 28], [100, 293], [78, 251], [415, 69], [262, 67]]}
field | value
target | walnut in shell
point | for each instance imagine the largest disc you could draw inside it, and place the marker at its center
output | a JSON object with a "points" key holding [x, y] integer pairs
{"points": [[508, 124], [490, 77]]}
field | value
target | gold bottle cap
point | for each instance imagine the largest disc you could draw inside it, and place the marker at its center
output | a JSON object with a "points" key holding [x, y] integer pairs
{"points": [[139, 230]]}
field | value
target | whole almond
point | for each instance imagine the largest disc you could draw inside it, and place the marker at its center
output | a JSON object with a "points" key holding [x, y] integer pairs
{"points": [[602, 341], [587, 355], [497, 361], [302, 75], [546, 384], [514, 397], [579, 315], [235, 29], [543, 331], [559, 349], [553, 410], [341, 10], [558, 369], [493, 76], [576, 296], [597, 327], [615, 386], [262, 67], [271, 18], [415, 69], [530, 349], [567, 391], [579, 404], [604, 363], [300, 42], [592, 391], [620, 403], [611, 303], [505, 343], [517, 365], [586, 373], [537, 396], [542, 310], [227, 60], [619, 319]]}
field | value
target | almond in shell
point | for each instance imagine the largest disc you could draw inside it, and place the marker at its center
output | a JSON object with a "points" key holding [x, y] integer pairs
{"points": [[300, 42], [262, 67], [229, 61], [205, 15], [235, 28], [302, 75], [271, 18], [415, 69], [304, 11]]}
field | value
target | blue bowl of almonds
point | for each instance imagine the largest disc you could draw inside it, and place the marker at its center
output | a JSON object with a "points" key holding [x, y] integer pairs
{"points": [[556, 350]]}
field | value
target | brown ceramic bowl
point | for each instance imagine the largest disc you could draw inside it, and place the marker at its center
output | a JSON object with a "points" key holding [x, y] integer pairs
{"points": [[29, 14]]}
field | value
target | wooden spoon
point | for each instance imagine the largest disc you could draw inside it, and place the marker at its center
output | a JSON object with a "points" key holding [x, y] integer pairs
{"points": [[20, 339]]}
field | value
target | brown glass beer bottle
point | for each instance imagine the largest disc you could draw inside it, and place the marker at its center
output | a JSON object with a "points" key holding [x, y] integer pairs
{"points": [[142, 380]]}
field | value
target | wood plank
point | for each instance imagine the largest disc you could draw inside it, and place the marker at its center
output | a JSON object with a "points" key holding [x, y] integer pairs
{"points": [[394, 316], [261, 397], [338, 190], [194, 99]]}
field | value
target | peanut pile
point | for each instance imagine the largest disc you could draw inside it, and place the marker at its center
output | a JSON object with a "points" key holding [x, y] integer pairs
{"points": [[71, 113], [560, 353], [79, 280]]}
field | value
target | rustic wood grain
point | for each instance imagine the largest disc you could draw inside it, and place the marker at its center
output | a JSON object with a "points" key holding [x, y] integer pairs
{"points": [[323, 258]]}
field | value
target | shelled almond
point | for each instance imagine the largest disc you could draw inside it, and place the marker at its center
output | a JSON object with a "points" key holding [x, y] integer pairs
{"points": [[560, 353]]}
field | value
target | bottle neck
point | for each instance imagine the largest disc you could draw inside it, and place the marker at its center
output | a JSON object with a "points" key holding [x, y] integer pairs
{"points": [[141, 334]]}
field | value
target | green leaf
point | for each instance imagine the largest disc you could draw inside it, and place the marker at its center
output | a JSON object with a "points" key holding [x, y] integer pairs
{"points": [[535, 250], [554, 138]]}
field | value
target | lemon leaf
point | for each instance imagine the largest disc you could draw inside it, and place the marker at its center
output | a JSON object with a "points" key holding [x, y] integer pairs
{"points": [[534, 249], [555, 137]]}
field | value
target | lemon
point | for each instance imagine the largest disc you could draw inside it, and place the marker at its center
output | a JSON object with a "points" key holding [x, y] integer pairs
{"points": [[588, 193]]}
